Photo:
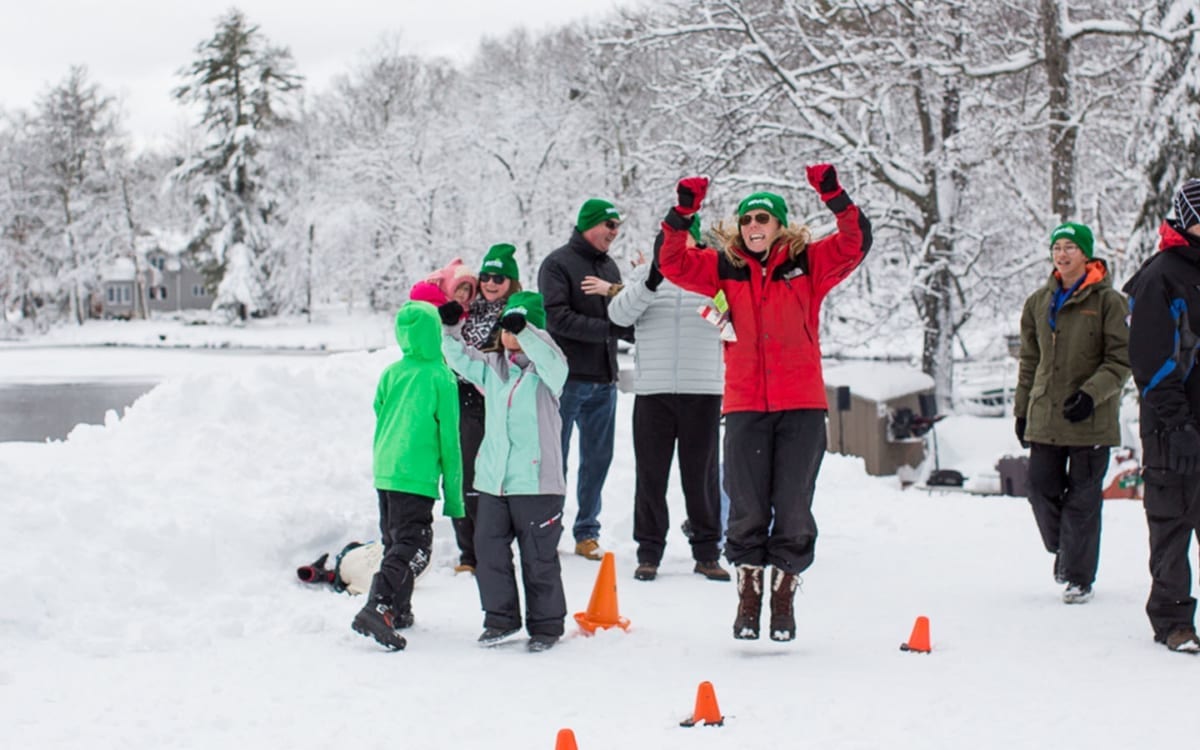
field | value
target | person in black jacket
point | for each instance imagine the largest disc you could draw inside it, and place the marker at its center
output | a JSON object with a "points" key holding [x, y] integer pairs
{"points": [[1164, 303], [579, 324]]}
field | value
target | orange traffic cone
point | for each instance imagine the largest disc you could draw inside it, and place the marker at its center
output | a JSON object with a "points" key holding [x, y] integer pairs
{"points": [[919, 640], [566, 740], [602, 608], [706, 708]]}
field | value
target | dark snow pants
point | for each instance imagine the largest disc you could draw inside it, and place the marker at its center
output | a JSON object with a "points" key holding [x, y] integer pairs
{"points": [[771, 465], [406, 530], [693, 421], [470, 430], [535, 521], [1066, 494], [1172, 505]]}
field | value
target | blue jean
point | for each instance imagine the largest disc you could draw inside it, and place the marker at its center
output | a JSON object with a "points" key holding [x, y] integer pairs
{"points": [[594, 407]]}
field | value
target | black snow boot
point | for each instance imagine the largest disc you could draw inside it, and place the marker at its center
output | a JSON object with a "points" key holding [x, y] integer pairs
{"points": [[379, 621], [783, 591], [750, 592]]}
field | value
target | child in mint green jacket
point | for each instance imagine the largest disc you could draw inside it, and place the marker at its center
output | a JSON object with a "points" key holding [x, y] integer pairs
{"points": [[518, 472], [416, 448]]}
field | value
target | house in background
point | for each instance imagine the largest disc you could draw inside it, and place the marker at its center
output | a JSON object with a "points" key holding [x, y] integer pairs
{"points": [[169, 281]]}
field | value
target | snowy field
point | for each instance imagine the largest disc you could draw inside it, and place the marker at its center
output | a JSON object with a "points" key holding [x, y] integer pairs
{"points": [[150, 600]]}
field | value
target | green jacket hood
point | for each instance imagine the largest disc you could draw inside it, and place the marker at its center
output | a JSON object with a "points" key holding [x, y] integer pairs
{"points": [[419, 331]]}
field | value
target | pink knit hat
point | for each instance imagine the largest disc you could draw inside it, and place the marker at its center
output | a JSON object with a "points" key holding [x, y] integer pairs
{"points": [[427, 291], [455, 274]]}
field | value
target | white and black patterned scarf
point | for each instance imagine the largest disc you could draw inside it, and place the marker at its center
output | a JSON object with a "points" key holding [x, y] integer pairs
{"points": [[480, 324]]}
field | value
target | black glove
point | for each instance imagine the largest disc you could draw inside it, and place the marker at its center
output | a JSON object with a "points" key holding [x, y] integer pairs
{"points": [[450, 312], [1078, 407], [1183, 449], [514, 323], [654, 278], [1020, 430], [317, 572]]}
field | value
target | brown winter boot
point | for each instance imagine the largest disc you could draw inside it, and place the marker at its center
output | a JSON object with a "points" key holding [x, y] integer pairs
{"points": [[750, 591], [783, 591]]}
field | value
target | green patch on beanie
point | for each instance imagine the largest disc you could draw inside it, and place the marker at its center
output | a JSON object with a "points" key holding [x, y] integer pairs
{"points": [[501, 259], [1077, 233], [769, 202], [528, 304], [593, 211]]}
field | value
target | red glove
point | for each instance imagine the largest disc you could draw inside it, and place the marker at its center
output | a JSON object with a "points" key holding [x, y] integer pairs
{"points": [[824, 179], [690, 192]]}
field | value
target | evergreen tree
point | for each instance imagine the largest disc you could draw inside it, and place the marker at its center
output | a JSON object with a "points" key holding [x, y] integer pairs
{"points": [[241, 83]]}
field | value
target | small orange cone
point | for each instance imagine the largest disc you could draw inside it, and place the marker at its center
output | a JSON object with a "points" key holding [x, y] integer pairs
{"points": [[706, 708], [602, 608], [919, 640], [566, 740]]}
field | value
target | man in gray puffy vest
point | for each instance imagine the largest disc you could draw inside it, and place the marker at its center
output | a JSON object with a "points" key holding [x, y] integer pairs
{"points": [[679, 381]]}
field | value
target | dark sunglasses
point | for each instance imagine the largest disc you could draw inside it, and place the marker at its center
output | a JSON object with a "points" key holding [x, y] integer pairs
{"points": [[763, 219], [492, 278], [612, 224]]}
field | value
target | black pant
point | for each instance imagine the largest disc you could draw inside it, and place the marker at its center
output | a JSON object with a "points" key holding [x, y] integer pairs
{"points": [[1066, 494], [535, 521], [1172, 506], [406, 530], [771, 465], [659, 422], [470, 430]]}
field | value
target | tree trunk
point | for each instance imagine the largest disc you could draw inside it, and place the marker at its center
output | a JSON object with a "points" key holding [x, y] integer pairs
{"points": [[1063, 132]]}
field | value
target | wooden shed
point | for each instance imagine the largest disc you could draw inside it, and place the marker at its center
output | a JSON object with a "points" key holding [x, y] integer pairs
{"points": [[870, 404]]}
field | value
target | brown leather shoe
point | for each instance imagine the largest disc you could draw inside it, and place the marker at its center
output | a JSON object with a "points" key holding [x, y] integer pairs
{"points": [[646, 572], [589, 548], [1183, 640], [712, 570]]}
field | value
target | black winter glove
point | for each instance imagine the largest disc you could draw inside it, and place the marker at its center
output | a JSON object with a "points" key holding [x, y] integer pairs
{"points": [[450, 312], [513, 322], [1078, 407], [654, 278], [1183, 450], [1020, 430], [316, 572]]}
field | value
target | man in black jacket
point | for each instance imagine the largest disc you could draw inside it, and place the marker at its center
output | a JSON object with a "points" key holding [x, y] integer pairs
{"points": [[1164, 302], [579, 324]]}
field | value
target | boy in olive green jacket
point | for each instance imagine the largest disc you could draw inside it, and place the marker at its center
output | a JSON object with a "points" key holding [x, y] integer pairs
{"points": [[1074, 362], [416, 445]]}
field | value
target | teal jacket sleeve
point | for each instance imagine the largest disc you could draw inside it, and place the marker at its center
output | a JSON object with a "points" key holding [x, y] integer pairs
{"points": [[465, 360], [549, 360]]}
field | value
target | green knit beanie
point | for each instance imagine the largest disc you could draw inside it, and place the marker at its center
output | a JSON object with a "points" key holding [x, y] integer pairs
{"points": [[1077, 233], [769, 202], [528, 304], [501, 259], [593, 211]]}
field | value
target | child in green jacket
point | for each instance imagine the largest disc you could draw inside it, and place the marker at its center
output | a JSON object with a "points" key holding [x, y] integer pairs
{"points": [[416, 445], [518, 472]]}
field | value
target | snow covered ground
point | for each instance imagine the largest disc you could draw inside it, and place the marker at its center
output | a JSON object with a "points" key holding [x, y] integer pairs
{"points": [[150, 600]]}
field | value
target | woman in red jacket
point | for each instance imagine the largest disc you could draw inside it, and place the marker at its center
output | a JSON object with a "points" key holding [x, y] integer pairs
{"points": [[774, 278]]}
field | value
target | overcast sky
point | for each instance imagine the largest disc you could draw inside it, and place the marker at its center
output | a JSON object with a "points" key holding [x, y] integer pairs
{"points": [[133, 48]]}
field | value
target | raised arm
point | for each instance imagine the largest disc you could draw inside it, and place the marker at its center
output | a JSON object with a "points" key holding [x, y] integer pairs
{"points": [[689, 267], [832, 258]]}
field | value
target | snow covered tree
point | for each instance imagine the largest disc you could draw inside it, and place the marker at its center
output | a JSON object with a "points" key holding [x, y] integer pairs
{"points": [[1166, 143], [241, 84], [77, 132]]}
